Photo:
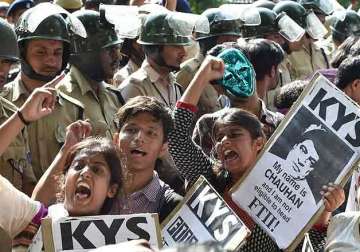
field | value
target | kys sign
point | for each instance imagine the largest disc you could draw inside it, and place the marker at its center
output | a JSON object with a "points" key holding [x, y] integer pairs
{"points": [[86, 233]]}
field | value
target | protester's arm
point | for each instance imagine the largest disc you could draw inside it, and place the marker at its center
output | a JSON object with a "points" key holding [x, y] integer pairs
{"points": [[333, 196], [211, 69], [189, 159], [40, 103], [17, 209], [170, 4], [46, 189]]}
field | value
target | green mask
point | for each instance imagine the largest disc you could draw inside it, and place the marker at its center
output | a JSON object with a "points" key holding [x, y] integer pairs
{"points": [[239, 75]]}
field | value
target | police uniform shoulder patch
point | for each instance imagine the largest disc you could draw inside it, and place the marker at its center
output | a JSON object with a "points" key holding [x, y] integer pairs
{"points": [[117, 92], [68, 98]]}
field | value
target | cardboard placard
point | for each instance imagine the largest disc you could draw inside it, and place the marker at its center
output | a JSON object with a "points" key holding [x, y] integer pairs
{"points": [[203, 216], [72, 234], [318, 142]]}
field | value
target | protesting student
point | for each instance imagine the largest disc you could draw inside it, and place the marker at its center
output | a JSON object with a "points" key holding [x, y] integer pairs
{"points": [[92, 179], [144, 126], [238, 139]]}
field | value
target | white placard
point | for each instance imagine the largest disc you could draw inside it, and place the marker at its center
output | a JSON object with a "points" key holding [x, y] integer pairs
{"points": [[317, 143]]}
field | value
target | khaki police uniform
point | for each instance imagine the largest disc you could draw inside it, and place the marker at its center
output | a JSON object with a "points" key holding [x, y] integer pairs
{"points": [[100, 107], [306, 61], [15, 162], [46, 135], [208, 101], [125, 72], [147, 82]]}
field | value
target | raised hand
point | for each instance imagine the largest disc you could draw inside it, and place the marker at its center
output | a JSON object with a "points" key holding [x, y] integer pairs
{"points": [[41, 102], [212, 68], [333, 195], [76, 132]]}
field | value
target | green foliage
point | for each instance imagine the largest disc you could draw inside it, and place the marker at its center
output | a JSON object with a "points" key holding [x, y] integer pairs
{"points": [[198, 6]]}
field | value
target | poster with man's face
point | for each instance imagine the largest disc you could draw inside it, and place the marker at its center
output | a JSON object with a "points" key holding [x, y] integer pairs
{"points": [[318, 142], [310, 150]]}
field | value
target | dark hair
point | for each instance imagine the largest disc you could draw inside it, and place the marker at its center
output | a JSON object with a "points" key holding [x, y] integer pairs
{"points": [[239, 117], [207, 43], [92, 146], [145, 104], [152, 49], [216, 50], [289, 94], [348, 71], [343, 51], [263, 55], [355, 48]]}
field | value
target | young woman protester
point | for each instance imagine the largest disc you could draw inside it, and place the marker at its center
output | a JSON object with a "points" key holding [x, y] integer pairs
{"points": [[238, 139], [92, 179]]}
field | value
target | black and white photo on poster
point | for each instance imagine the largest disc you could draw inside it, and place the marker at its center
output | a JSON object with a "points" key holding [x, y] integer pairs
{"points": [[317, 143], [303, 149], [203, 216], [88, 232]]}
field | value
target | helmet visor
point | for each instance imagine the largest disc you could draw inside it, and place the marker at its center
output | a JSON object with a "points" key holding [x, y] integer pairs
{"points": [[246, 13], [326, 6], [289, 29], [184, 24], [314, 26], [125, 19], [44, 10]]}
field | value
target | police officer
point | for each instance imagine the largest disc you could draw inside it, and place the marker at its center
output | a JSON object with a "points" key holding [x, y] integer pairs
{"points": [[44, 53], [16, 9], [14, 162], [93, 60], [271, 27], [4, 6], [306, 57], [223, 28], [164, 51], [344, 24], [321, 8], [8, 52]]}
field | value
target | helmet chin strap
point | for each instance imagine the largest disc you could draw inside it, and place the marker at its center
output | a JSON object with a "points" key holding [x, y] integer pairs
{"points": [[159, 60], [29, 71]]}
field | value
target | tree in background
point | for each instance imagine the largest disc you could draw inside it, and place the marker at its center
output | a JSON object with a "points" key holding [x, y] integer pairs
{"points": [[198, 6]]}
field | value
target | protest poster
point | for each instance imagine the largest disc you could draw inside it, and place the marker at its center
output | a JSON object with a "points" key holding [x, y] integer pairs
{"points": [[317, 143], [78, 234], [203, 216]]}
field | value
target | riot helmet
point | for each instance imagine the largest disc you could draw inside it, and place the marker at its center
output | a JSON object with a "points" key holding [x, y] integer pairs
{"points": [[306, 19], [169, 29], [9, 49], [268, 25], [221, 23], [85, 52], [272, 23], [44, 21], [323, 7], [344, 24], [157, 30]]}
